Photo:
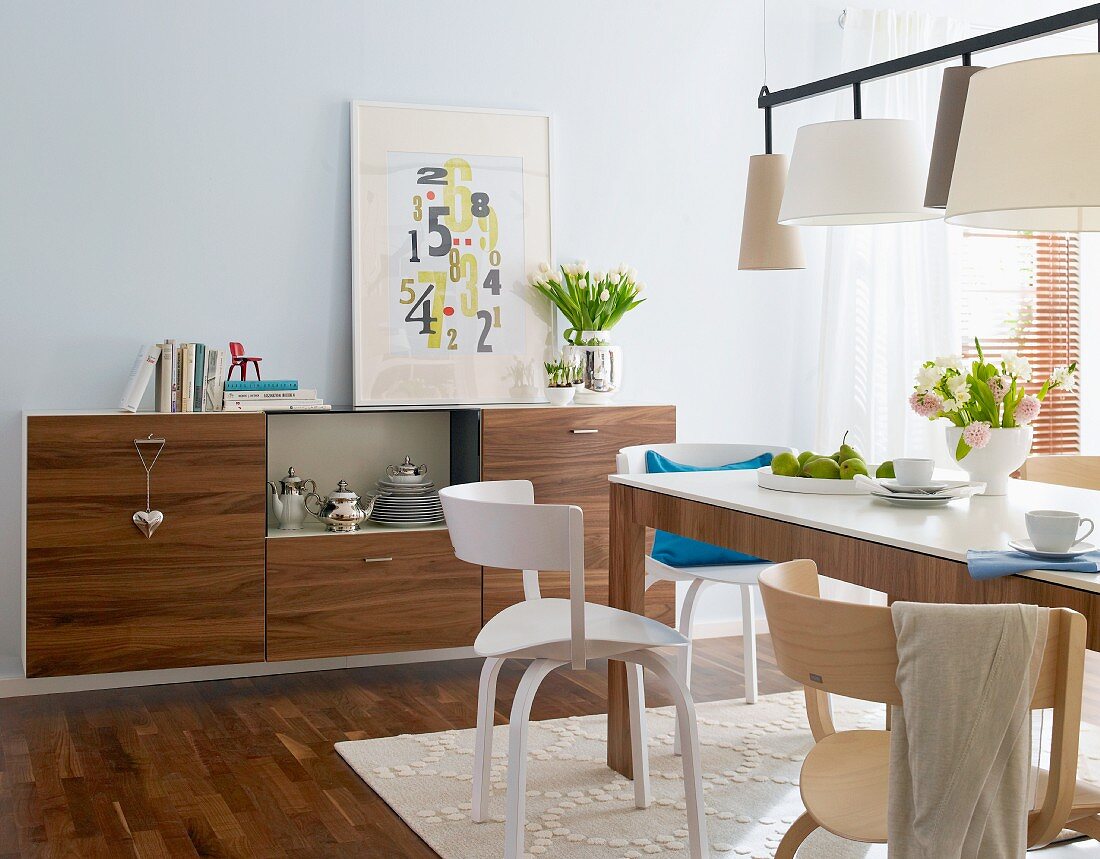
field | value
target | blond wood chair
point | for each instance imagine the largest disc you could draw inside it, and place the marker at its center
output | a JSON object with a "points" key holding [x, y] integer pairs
{"points": [[850, 649], [1063, 470]]}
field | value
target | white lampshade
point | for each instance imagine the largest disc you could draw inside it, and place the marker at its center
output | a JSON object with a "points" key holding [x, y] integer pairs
{"points": [[1027, 156], [857, 171], [766, 245]]}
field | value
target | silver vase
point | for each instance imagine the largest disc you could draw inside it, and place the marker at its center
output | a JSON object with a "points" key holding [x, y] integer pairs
{"points": [[601, 367]]}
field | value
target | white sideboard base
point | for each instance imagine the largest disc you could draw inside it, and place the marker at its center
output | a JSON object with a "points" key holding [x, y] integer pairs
{"points": [[16, 685]]}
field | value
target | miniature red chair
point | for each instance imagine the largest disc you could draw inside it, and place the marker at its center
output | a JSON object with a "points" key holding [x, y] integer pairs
{"points": [[239, 359]]}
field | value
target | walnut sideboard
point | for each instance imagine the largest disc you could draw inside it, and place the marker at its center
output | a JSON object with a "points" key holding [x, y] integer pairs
{"points": [[219, 584]]}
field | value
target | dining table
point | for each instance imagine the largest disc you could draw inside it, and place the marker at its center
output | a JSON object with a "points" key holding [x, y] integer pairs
{"points": [[913, 555]]}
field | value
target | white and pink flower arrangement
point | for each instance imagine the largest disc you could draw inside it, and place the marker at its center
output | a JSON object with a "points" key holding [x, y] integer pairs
{"points": [[983, 395]]}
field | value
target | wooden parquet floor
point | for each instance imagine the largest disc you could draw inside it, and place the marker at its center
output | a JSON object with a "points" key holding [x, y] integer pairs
{"points": [[246, 768]]}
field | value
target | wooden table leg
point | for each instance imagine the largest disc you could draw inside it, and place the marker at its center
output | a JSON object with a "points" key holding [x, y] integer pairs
{"points": [[627, 592]]}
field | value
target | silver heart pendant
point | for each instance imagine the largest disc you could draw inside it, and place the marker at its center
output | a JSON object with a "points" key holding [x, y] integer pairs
{"points": [[147, 521]]}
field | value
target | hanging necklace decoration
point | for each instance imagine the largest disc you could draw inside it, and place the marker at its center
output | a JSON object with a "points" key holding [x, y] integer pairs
{"points": [[148, 520]]}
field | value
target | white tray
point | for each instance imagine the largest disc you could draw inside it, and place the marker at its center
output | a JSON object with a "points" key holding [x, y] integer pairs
{"points": [[810, 485]]}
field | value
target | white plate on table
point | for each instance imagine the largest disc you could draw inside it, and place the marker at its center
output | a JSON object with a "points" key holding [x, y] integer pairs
{"points": [[928, 489], [1028, 548], [921, 500]]}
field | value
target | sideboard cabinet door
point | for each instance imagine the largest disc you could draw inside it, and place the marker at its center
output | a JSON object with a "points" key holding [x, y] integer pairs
{"points": [[567, 454], [100, 595]]}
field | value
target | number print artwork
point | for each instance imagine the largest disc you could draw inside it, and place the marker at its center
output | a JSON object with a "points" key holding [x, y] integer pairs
{"points": [[455, 254]]}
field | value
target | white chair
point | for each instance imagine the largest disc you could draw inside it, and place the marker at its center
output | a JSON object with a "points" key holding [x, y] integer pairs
{"points": [[632, 460], [497, 524]]}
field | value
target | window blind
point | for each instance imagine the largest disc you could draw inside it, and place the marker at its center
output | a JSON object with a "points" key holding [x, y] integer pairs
{"points": [[1021, 291]]}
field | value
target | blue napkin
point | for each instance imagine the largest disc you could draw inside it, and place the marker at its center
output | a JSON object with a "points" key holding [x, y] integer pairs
{"points": [[990, 564]]}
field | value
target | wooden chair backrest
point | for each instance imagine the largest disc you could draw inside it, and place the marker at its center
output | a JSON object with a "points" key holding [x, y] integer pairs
{"points": [[1063, 470], [850, 649], [236, 350], [497, 524], [631, 460]]}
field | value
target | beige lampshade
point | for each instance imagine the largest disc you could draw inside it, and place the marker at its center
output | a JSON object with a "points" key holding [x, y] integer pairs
{"points": [[766, 245], [956, 81], [1028, 156], [857, 171]]}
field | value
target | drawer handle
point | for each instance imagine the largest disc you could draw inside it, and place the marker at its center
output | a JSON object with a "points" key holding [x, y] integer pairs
{"points": [[376, 560], [583, 431]]}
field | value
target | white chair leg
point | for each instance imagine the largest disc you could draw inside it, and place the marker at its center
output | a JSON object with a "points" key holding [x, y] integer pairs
{"points": [[698, 842], [748, 636], [516, 816], [483, 738], [639, 738], [684, 654]]}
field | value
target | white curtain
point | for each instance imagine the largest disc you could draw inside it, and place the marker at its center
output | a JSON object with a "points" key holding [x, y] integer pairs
{"points": [[888, 302]]}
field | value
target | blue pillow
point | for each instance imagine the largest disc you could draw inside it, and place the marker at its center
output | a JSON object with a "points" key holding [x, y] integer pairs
{"points": [[677, 551]]}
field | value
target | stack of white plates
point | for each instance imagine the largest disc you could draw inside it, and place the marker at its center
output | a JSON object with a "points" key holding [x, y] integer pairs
{"points": [[406, 505], [937, 494]]}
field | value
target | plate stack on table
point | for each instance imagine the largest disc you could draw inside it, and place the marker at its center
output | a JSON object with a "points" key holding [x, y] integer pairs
{"points": [[936, 494], [406, 498]]}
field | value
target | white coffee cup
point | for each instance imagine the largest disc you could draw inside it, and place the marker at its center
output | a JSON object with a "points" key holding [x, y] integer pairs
{"points": [[914, 472], [1055, 530]]}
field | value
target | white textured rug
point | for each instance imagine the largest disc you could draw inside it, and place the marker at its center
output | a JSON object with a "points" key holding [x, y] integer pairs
{"points": [[577, 808]]}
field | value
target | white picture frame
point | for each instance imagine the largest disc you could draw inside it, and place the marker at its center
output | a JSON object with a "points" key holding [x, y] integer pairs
{"points": [[421, 336]]}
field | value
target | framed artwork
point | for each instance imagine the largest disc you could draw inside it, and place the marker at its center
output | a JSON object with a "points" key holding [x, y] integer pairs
{"points": [[450, 212]]}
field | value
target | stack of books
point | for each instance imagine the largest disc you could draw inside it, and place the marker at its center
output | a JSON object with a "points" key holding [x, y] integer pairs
{"points": [[271, 395], [189, 377]]}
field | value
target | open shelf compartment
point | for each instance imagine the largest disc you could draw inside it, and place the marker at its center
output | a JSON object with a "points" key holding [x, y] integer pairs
{"points": [[357, 447]]}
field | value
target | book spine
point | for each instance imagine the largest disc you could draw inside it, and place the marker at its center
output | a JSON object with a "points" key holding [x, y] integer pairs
{"points": [[162, 384], [177, 356], [140, 374], [300, 394], [187, 378], [275, 405], [219, 378], [211, 382], [266, 385], [199, 404]]}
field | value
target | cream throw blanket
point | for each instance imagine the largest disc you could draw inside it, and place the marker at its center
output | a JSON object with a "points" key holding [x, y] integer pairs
{"points": [[960, 747]]}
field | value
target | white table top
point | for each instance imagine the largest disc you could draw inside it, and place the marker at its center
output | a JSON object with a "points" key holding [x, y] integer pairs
{"points": [[945, 532]]}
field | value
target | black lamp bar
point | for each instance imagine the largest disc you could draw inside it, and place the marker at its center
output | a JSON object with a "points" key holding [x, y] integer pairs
{"points": [[996, 39]]}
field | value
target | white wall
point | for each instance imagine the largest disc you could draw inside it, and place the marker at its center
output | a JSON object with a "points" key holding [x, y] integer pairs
{"points": [[181, 169]]}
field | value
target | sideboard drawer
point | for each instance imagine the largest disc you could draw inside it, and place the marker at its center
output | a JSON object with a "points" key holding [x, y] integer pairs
{"points": [[372, 592], [103, 597]]}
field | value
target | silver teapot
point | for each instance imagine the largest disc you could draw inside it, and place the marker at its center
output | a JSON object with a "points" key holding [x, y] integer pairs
{"points": [[406, 472], [288, 500], [341, 511]]}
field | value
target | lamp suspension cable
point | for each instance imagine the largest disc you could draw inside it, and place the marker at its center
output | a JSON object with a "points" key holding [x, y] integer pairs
{"points": [[764, 89], [1072, 19]]}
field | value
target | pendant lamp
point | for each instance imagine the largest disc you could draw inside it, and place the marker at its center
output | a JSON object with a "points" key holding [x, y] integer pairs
{"points": [[1027, 155], [956, 82], [765, 244], [857, 171]]}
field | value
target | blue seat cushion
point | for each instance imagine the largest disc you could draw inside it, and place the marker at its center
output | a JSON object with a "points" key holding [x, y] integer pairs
{"points": [[677, 551]]}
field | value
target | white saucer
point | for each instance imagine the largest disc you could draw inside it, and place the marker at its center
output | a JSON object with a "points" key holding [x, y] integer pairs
{"points": [[914, 500], [1028, 548], [926, 489]]}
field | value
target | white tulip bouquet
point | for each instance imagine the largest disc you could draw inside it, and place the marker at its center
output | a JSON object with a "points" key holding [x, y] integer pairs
{"points": [[983, 395], [590, 301]]}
